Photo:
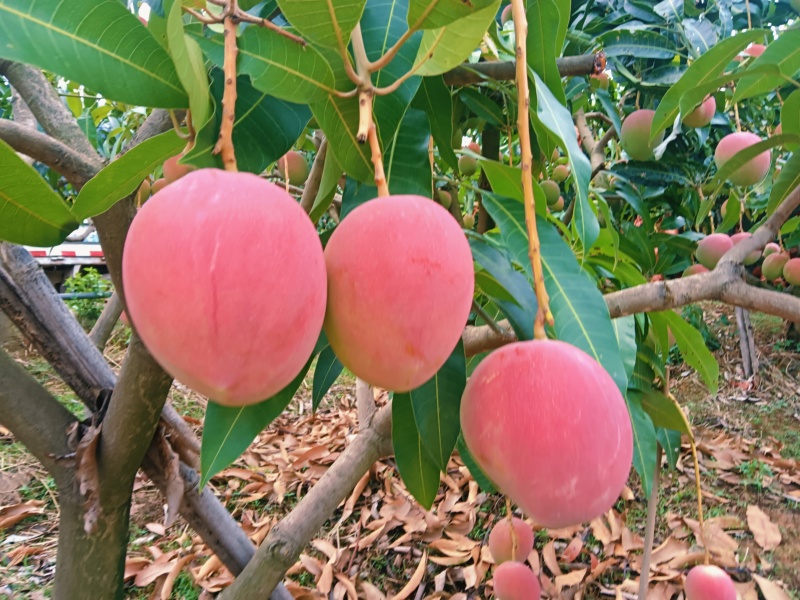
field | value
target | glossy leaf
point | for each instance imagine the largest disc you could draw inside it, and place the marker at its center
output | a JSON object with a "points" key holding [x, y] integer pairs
{"points": [[123, 176], [331, 173], [419, 471], [790, 118], [625, 331], [31, 213], [98, 43], [664, 412], [542, 47], [434, 98], [324, 22], [326, 372], [693, 348], [644, 441], [338, 118], [189, 65], [670, 441], [784, 52], [437, 407], [406, 162], [638, 43], [431, 14], [787, 181], [744, 156], [483, 481]]}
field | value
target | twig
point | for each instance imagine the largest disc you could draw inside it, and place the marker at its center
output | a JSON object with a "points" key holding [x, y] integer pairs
{"points": [[224, 145], [650, 528], [365, 88], [377, 160]]}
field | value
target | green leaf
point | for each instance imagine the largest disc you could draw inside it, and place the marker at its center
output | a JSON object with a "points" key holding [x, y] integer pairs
{"points": [[558, 120], [482, 106], [338, 118], [625, 331], [644, 441], [693, 348], [783, 52], [692, 98], [264, 130], [707, 67], [98, 43], [477, 473], [437, 407], [670, 441], [787, 182], [434, 98], [31, 213], [544, 18], [742, 157], [123, 176], [639, 43], [447, 47], [325, 373], [431, 14], [407, 166], [331, 173], [419, 471], [314, 21], [664, 412], [190, 66], [276, 65], [790, 118], [228, 430]]}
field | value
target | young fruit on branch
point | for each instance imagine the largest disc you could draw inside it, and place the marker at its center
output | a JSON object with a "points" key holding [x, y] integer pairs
{"points": [[501, 544], [560, 173], [791, 271], [225, 282], [711, 248], [173, 170], [400, 284], [444, 198], [635, 135], [158, 185], [754, 256], [702, 115], [548, 425], [143, 193], [694, 270], [297, 171], [753, 170], [515, 581], [505, 16], [709, 582], [771, 248], [551, 191], [772, 267]]}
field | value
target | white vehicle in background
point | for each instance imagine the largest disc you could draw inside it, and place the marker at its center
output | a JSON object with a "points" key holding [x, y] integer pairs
{"points": [[80, 249]]}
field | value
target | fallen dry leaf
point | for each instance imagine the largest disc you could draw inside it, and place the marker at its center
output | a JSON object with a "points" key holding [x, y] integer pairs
{"points": [[770, 590], [766, 533], [415, 580], [11, 515]]}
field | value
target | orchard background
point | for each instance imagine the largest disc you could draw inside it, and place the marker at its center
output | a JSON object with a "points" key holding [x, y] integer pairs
{"points": [[584, 149]]}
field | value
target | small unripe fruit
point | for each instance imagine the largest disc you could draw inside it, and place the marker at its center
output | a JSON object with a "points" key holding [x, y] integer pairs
{"points": [[501, 543], [294, 167], [723, 210], [144, 192], [203, 297], [468, 165], [752, 171], [708, 582], [702, 115], [158, 185], [530, 415], [444, 198], [599, 81], [551, 191], [694, 270], [559, 205], [506, 15], [400, 285], [711, 248], [751, 258], [771, 248], [772, 267], [560, 173], [515, 581], [791, 271], [635, 135], [469, 221], [174, 171]]}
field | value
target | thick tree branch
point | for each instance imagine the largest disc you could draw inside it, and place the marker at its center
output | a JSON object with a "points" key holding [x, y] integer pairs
{"points": [[289, 537], [470, 73], [104, 325]]}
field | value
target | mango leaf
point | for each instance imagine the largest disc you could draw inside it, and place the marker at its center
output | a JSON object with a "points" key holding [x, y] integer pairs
{"points": [[338, 118], [558, 120], [228, 430], [31, 213], [434, 98], [790, 118], [276, 65], [123, 176], [784, 52], [331, 173], [625, 331], [670, 441], [323, 22], [693, 97], [693, 348], [638, 43], [742, 157], [190, 66], [482, 106], [325, 374], [447, 47], [504, 179], [419, 471], [543, 17], [644, 441], [432, 14], [580, 312], [484, 483], [98, 43], [406, 162], [265, 127], [707, 67], [437, 407], [664, 412], [787, 181]]}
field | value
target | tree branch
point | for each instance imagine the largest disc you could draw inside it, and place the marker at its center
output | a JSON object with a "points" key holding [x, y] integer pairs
{"points": [[104, 325], [314, 177], [470, 73]]}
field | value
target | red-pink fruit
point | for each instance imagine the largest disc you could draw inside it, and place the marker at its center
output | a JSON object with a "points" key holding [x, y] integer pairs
{"points": [[531, 413], [474, 146], [551, 191], [501, 544], [225, 281], [293, 167], [754, 50], [635, 135], [599, 81], [400, 284], [791, 271], [708, 582], [694, 270], [515, 581], [560, 173], [772, 267], [174, 171], [559, 205], [142, 20], [711, 248], [771, 248], [752, 171], [702, 115], [751, 258], [506, 15]]}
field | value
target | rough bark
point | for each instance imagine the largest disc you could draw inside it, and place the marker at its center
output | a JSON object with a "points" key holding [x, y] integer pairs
{"points": [[586, 64], [104, 327]]}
